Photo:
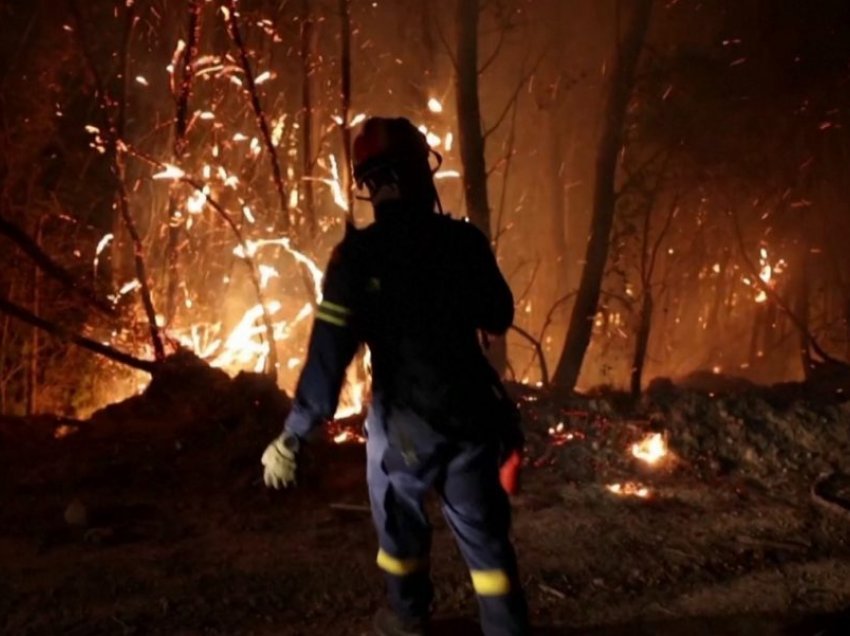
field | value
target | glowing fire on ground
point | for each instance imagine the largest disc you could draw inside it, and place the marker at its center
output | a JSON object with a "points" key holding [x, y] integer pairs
{"points": [[560, 436], [651, 449], [629, 489]]}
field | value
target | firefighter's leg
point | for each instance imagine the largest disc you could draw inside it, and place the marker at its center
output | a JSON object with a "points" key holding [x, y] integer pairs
{"points": [[478, 511], [404, 533]]}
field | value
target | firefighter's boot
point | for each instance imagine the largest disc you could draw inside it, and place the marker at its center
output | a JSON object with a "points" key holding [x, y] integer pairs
{"points": [[388, 623]]}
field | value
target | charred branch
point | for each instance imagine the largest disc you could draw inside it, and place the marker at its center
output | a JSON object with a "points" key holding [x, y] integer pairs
{"points": [[254, 276], [283, 219], [175, 225], [345, 103], [16, 311], [50, 267], [112, 134]]}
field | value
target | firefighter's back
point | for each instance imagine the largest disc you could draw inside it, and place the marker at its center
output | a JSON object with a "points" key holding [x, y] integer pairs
{"points": [[428, 289]]}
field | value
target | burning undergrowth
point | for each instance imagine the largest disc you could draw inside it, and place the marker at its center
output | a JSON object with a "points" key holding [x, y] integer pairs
{"points": [[771, 436]]}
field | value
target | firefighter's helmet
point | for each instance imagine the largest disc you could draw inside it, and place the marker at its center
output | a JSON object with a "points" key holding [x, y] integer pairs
{"points": [[390, 146]]}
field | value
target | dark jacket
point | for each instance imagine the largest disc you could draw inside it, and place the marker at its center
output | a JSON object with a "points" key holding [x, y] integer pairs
{"points": [[416, 289]]}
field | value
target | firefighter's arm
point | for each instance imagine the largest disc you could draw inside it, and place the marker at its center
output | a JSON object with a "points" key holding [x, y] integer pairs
{"points": [[495, 302], [332, 346], [332, 343], [331, 349]]}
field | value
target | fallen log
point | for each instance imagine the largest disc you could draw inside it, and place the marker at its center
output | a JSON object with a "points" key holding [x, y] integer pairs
{"points": [[16, 311]]}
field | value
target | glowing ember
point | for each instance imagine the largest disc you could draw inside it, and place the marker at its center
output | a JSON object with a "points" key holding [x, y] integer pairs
{"points": [[64, 430], [629, 489], [560, 436], [651, 449], [434, 105]]}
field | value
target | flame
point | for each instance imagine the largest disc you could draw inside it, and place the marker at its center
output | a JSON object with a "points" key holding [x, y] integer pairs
{"points": [[629, 489], [357, 388], [651, 449], [768, 272], [225, 163]]}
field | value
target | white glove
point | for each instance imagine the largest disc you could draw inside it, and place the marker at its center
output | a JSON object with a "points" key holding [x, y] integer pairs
{"points": [[279, 461]]}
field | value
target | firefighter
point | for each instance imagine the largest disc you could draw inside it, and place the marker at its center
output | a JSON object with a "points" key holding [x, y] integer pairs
{"points": [[417, 287]]}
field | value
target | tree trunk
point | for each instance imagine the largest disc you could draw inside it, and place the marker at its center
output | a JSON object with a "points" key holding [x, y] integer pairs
{"points": [[35, 346], [181, 119], [471, 138], [642, 343], [307, 44], [604, 197], [345, 95]]}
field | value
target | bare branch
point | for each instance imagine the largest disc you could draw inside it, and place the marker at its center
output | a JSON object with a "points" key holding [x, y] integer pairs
{"points": [[446, 45], [246, 253], [514, 96], [538, 352], [492, 57], [774, 296], [117, 169], [50, 267], [262, 122], [10, 308]]}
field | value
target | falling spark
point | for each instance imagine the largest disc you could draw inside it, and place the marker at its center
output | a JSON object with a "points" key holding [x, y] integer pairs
{"points": [[262, 77], [101, 245], [434, 105], [170, 172]]}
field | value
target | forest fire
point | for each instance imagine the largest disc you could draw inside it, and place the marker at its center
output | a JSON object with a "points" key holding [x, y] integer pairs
{"points": [[598, 246]]}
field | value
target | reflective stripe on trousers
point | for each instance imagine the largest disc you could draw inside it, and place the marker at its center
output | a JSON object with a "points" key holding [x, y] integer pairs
{"points": [[475, 507]]}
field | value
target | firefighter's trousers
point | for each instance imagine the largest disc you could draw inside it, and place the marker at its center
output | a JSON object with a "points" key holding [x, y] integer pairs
{"points": [[406, 459]]}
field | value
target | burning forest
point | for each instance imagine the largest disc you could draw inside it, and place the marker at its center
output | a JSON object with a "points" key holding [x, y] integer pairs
{"points": [[659, 183]]}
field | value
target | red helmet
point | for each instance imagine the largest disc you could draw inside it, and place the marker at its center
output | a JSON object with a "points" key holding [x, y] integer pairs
{"points": [[385, 143]]}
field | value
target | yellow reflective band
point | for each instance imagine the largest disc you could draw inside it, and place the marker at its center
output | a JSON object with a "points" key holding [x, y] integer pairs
{"points": [[398, 567], [490, 582], [334, 308], [334, 320]]}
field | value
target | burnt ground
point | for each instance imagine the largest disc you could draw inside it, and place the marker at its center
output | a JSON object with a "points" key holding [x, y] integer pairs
{"points": [[174, 534]]}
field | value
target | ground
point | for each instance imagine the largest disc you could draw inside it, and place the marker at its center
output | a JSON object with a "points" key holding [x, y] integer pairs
{"points": [[171, 532]]}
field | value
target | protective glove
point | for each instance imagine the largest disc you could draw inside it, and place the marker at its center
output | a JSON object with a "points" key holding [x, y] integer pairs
{"points": [[279, 461]]}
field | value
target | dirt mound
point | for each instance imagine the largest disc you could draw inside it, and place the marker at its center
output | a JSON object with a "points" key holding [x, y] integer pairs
{"points": [[186, 394]]}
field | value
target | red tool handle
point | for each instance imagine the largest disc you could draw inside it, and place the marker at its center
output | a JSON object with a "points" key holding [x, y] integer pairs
{"points": [[509, 472]]}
